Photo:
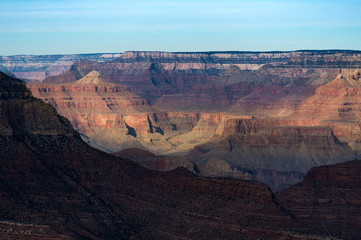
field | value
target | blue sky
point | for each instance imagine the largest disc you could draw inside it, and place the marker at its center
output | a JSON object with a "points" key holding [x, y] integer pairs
{"points": [[74, 26]]}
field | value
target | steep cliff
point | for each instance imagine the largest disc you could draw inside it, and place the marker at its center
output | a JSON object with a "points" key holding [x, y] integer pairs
{"points": [[336, 105], [108, 115], [273, 147]]}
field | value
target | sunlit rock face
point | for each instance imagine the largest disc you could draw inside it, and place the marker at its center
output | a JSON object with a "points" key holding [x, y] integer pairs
{"points": [[336, 104], [108, 115]]}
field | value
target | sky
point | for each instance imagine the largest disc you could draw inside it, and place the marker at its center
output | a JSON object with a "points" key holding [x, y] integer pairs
{"points": [[113, 26]]}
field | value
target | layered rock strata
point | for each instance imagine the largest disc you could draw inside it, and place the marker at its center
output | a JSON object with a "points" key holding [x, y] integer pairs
{"points": [[336, 104], [272, 148], [194, 77], [107, 115]]}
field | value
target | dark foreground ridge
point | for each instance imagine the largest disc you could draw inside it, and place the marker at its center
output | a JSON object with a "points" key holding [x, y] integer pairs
{"points": [[54, 186], [328, 198]]}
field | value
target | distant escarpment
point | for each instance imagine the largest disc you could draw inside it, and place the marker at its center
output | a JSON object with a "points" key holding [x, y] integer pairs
{"points": [[37, 67], [278, 81], [54, 186]]}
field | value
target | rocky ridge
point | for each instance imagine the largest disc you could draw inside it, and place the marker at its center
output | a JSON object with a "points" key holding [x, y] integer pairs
{"points": [[328, 199]]}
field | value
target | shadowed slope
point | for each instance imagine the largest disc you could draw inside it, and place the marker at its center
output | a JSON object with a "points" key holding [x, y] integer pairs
{"points": [[328, 199]]}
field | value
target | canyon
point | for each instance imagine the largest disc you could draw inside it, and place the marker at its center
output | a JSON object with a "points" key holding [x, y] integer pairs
{"points": [[247, 115], [55, 186]]}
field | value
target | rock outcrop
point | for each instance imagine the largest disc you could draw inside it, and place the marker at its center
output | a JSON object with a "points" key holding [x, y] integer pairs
{"points": [[328, 199], [260, 145], [336, 105], [50, 177], [107, 115]]}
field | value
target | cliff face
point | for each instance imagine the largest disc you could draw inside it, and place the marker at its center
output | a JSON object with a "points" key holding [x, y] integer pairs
{"points": [[336, 105], [53, 185], [328, 199], [108, 115], [274, 147], [38, 67]]}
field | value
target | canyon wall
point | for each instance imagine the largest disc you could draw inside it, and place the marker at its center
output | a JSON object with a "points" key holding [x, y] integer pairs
{"points": [[279, 148]]}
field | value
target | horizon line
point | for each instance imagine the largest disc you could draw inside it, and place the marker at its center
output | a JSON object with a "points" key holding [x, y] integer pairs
{"points": [[191, 52]]}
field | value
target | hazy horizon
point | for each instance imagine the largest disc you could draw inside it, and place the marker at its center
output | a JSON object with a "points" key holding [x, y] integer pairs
{"points": [[39, 27], [230, 51]]}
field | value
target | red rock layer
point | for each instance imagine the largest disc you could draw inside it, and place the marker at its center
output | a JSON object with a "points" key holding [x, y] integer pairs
{"points": [[336, 104], [191, 89], [254, 83], [108, 115]]}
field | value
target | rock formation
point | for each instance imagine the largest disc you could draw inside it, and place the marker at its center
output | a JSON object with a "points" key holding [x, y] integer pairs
{"points": [[107, 115], [328, 200], [276, 147], [220, 79], [336, 105]]}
